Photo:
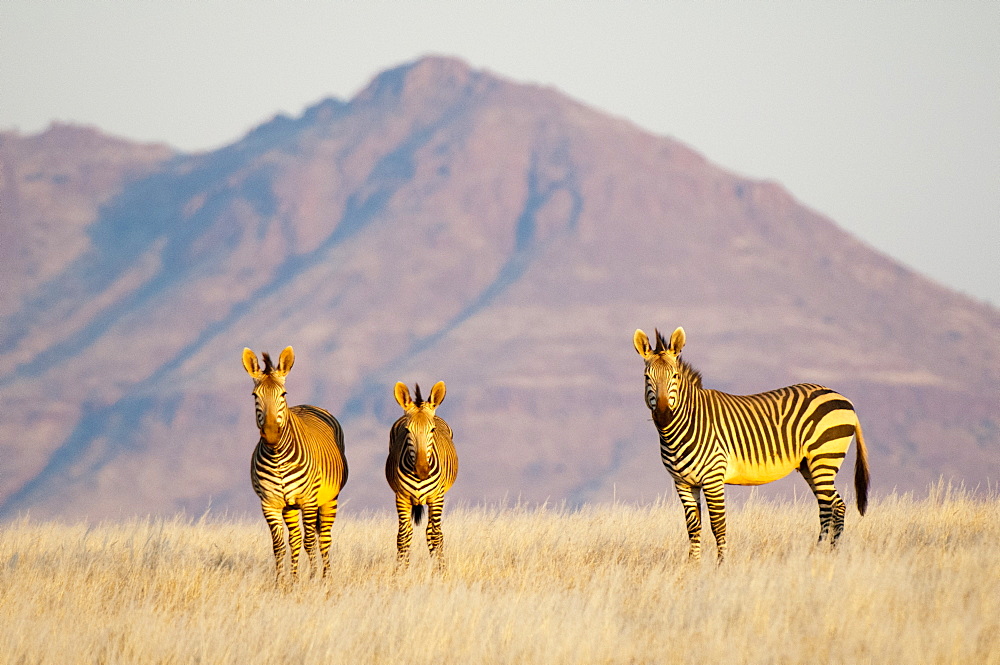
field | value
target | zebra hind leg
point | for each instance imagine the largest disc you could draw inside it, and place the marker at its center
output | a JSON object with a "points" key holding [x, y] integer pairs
{"points": [[690, 499], [820, 474], [831, 516], [837, 517]]}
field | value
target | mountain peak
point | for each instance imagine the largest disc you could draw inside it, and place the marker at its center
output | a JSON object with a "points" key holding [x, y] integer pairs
{"points": [[438, 75]]}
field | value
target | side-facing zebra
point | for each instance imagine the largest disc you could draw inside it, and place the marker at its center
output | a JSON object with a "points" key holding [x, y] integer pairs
{"points": [[421, 467], [298, 467], [710, 438]]}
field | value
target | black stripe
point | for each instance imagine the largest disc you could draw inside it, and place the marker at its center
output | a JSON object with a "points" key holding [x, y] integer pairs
{"points": [[832, 434]]}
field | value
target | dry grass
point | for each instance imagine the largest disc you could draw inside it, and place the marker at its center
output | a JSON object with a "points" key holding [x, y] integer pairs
{"points": [[916, 581]]}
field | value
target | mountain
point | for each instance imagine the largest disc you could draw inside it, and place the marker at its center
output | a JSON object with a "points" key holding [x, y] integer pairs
{"points": [[52, 187], [445, 224]]}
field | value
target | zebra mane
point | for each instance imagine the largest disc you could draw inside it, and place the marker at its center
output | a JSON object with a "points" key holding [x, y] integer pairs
{"points": [[661, 343], [418, 400], [268, 366], [692, 375]]}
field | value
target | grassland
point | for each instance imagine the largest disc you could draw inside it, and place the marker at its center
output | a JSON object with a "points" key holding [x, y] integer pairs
{"points": [[915, 581]]}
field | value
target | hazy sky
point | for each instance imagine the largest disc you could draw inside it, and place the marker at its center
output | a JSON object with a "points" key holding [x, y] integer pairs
{"points": [[885, 116]]}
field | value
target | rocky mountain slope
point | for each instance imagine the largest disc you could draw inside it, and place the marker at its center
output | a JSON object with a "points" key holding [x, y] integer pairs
{"points": [[445, 224]]}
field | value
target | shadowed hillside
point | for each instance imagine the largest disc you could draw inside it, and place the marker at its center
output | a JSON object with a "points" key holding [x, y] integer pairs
{"points": [[447, 224]]}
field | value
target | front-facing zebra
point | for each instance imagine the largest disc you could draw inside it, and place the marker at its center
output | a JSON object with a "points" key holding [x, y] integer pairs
{"points": [[298, 467], [421, 467], [710, 438]]}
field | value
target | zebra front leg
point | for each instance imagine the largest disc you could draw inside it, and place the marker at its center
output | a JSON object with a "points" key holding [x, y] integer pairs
{"points": [[310, 527], [292, 515], [435, 536], [690, 498], [715, 499], [277, 526], [327, 515], [405, 510]]}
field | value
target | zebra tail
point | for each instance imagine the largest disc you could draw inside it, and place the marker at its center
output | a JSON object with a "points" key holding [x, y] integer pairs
{"points": [[418, 514], [861, 477]]}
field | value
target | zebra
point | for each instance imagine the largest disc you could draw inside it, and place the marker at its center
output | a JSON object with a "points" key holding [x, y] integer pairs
{"points": [[710, 438], [421, 466], [298, 467]]}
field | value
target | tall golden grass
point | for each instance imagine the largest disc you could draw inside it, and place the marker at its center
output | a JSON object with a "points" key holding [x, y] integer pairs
{"points": [[915, 581]]}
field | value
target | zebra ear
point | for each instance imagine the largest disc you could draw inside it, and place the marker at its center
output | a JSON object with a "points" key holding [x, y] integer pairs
{"points": [[677, 341], [437, 394], [641, 343], [402, 394], [250, 363], [286, 360]]}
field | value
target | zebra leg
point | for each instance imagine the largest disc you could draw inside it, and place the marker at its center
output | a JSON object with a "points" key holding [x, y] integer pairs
{"points": [[823, 523], [277, 526], [292, 515], [310, 526], [435, 537], [405, 509], [837, 517], [715, 499], [327, 515], [690, 498], [820, 472]]}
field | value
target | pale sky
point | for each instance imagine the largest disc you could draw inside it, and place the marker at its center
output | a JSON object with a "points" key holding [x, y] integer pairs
{"points": [[884, 116]]}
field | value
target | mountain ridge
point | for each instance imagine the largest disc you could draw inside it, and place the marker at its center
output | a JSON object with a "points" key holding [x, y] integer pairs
{"points": [[449, 224]]}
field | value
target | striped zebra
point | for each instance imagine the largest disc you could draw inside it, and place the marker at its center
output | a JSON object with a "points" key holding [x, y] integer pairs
{"points": [[710, 438], [421, 467], [298, 467]]}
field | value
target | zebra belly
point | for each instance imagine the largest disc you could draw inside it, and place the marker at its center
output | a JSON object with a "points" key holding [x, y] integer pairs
{"points": [[742, 472]]}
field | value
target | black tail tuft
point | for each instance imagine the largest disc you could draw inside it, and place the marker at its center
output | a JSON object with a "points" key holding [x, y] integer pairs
{"points": [[418, 514], [861, 474]]}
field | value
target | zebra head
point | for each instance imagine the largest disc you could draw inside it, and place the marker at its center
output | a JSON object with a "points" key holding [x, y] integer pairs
{"points": [[269, 392], [420, 424], [663, 367]]}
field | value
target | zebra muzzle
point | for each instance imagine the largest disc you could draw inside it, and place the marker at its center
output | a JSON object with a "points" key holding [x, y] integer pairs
{"points": [[271, 432]]}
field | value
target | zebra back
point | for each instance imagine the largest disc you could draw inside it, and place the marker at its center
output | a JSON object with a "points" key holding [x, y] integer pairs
{"points": [[772, 428]]}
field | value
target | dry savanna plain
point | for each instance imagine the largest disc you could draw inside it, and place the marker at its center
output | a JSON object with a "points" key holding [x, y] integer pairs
{"points": [[917, 580]]}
